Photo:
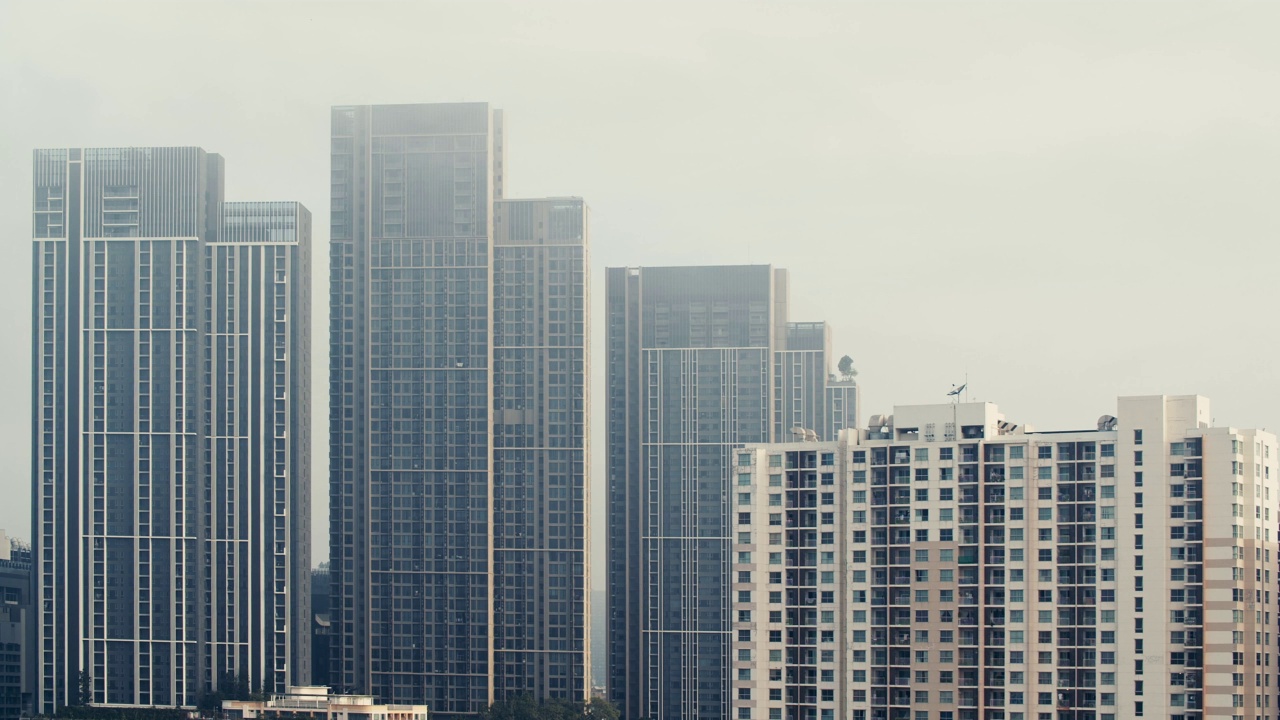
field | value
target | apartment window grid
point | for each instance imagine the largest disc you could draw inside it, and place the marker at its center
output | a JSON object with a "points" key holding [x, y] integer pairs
{"points": [[1076, 632]]}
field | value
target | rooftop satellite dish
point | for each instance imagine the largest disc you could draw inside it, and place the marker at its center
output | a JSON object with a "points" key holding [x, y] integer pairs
{"points": [[1107, 422]]}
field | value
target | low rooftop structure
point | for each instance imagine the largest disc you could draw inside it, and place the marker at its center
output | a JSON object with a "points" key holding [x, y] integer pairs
{"points": [[317, 702]]}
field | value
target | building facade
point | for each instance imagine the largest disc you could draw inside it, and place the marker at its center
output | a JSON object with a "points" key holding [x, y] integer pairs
{"points": [[540, 366], [946, 564], [151, 455], [17, 631], [699, 364], [457, 380], [257, 449]]}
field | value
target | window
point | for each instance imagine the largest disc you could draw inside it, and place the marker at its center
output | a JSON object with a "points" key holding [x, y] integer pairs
{"points": [[922, 454], [1137, 457], [743, 459], [945, 453], [1015, 452], [1137, 437]]}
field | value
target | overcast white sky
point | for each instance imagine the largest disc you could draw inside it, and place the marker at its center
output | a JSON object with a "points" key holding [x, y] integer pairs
{"points": [[1067, 201]]}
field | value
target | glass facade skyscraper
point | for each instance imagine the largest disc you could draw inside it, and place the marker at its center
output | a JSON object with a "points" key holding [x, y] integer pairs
{"points": [[698, 365], [169, 471], [457, 382]]}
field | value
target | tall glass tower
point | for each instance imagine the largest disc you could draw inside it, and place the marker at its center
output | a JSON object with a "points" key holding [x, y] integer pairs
{"points": [[699, 364], [169, 473], [457, 440]]}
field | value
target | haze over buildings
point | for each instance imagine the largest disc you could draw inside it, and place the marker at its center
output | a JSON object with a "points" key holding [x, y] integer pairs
{"points": [[458, 433], [1016, 191]]}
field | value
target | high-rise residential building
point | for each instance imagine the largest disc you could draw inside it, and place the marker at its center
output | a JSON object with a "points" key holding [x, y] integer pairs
{"points": [[541, 628], [170, 477], [944, 564], [320, 622], [257, 384], [17, 630], [699, 364], [457, 393], [807, 394]]}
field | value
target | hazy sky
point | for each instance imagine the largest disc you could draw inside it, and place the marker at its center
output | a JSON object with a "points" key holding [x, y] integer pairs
{"points": [[1068, 202]]}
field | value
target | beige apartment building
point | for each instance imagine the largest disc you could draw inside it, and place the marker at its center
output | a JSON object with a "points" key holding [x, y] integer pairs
{"points": [[946, 564]]}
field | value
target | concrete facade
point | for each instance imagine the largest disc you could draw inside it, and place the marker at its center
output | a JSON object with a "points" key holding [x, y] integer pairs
{"points": [[945, 564]]}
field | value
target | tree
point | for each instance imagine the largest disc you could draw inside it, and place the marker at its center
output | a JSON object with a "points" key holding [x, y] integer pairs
{"points": [[600, 709], [847, 371], [85, 690], [525, 707]]}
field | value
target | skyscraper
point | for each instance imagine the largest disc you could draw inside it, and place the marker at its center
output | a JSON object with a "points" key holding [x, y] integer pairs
{"points": [[945, 564], [169, 474], [699, 364], [457, 393], [540, 448], [257, 382]]}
